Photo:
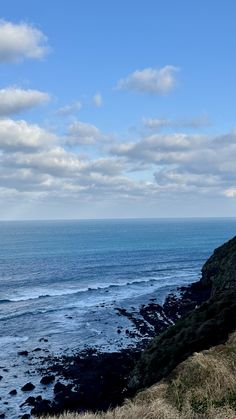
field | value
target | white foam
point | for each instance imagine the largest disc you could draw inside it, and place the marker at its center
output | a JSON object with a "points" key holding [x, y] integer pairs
{"points": [[12, 339]]}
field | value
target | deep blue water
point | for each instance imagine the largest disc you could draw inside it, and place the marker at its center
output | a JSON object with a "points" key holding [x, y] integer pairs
{"points": [[62, 280], [54, 268]]}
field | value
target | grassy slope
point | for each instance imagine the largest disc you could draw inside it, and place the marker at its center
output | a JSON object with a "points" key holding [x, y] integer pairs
{"points": [[207, 326], [201, 387]]}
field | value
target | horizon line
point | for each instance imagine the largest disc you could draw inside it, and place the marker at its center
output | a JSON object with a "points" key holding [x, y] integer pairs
{"points": [[117, 219]]}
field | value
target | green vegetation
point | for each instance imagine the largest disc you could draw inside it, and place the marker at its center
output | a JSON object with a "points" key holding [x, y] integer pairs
{"points": [[206, 326]]}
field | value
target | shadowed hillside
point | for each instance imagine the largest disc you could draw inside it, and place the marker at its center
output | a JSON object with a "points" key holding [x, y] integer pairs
{"points": [[206, 326]]}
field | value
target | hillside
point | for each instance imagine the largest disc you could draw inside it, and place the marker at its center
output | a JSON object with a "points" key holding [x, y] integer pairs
{"points": [[203, 386], [204, 327]]}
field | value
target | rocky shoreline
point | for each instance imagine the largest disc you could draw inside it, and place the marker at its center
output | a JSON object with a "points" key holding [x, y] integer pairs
{"points": [[156, 339], [207, 326], [94, 380]]}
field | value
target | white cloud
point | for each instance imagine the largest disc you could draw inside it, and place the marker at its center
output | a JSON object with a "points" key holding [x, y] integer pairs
{"points": [[36, 166], [54, 161], [14, 100], [19, 135], [157, 147], [230, 193], [150, 80], [156, 123], [20, 41], [159, 123], [69, 109], [83, 133], [181, 180], [185, 163], [97, 100]]}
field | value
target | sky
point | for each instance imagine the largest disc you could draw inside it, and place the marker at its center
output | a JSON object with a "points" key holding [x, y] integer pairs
{"points": [[117, 109]]}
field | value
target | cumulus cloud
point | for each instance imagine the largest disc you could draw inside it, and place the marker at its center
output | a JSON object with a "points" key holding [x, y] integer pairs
{"points": [[14, 100], [156, 148], [19, 135], [200, 163], [58, 167], [37, 165], [19, 41], [54, 161], [150, 80], [34, 165], [181, 180], [83, 133], [97, 100], [69, 109]]}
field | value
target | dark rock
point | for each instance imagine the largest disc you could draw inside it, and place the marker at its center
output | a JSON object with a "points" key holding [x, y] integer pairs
{"points": [[99, 380], [47, 379], [30, 401], [64, 393], [25, 416], [36, 349], [1, 377], [42, 407], [2, 415], [13, 392], [59, 387], [28, 387], [72, 400], [23, 353]]}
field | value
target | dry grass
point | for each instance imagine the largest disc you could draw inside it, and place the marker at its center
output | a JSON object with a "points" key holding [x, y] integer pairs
{"points": [[202, 387]]}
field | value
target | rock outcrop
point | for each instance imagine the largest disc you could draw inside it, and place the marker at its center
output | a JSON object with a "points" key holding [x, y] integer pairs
{"points": [[206, 326]]}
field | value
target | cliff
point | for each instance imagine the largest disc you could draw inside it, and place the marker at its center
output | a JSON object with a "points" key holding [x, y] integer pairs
{"points": [[206, 326]]}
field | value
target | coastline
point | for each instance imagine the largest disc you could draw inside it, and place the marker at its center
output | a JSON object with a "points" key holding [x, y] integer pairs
{"points": [[97, 380], [120, 319], [94, 380], [200, 316]]}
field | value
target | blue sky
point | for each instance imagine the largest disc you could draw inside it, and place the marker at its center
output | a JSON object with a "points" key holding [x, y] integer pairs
{"points": [[117, 109]]}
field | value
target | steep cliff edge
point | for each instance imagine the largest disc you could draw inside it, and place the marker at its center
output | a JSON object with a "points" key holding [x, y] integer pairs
{"points": [[206, 326], [219, 271]]}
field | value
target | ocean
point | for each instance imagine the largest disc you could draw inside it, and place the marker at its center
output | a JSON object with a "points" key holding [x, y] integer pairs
{"points": [[61, 281]]}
